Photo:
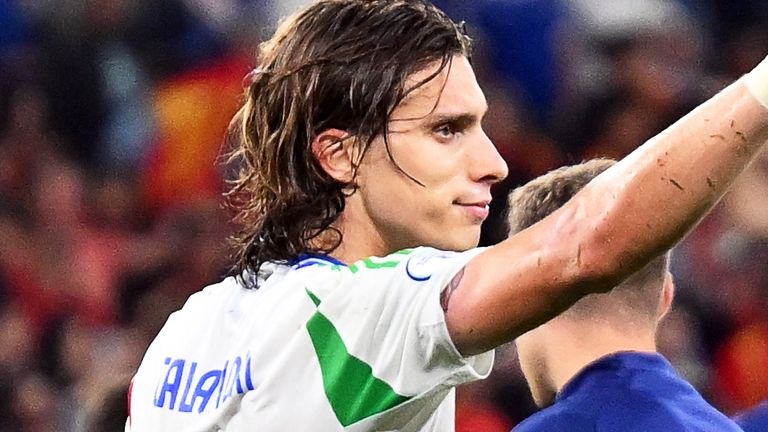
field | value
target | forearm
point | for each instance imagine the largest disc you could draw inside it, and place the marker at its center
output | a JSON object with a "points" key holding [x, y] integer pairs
{"points": [[615, 225], [650, 199]]}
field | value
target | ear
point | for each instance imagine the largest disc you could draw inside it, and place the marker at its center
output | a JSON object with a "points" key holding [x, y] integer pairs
{"points": [[668, 294], [336, 152]]}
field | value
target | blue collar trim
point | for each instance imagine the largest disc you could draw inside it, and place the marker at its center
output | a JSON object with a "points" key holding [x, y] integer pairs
{"points": [[306, 260]]}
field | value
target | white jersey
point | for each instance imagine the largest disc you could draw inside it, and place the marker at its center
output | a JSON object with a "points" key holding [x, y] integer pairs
{"points": [[319, 346]]}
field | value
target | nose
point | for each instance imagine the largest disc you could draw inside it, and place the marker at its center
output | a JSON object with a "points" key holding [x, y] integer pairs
{"points": [[487, 164]]}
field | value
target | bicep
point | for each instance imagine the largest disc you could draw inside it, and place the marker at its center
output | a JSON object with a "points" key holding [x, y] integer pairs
{"points": [[518, 284]]}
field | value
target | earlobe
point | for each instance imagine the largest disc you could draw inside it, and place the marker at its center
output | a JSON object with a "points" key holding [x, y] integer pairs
{"points": [[668, 296], [334, 150]]}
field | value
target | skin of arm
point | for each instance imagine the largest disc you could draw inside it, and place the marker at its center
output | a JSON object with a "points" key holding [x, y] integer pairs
{"points": [[619, 222]]}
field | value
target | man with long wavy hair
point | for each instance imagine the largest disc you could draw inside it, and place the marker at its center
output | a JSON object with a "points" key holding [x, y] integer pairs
{"points": [[359, 299]]}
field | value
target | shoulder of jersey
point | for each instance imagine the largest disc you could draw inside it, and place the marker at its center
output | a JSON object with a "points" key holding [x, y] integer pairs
{"points": [[419, 263]]}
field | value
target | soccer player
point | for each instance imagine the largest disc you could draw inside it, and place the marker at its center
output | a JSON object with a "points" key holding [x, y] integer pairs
{"points": [[595, 367], [359, 299]]}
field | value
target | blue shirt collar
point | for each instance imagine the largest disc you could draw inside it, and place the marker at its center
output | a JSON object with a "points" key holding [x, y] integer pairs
{"points": [[613, 363]]}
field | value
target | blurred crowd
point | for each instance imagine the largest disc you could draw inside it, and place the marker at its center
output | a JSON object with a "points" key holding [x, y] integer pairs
{"points": [[112, 122]]}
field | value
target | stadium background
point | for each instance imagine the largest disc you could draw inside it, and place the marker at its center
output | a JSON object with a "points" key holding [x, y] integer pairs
{"points": [[112, 114]]}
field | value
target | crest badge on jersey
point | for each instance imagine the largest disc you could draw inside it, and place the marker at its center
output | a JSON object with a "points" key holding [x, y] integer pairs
{"points": [[421, 266]]}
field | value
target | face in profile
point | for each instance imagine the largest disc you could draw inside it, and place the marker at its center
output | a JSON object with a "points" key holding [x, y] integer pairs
{"points": [[436, 138]]}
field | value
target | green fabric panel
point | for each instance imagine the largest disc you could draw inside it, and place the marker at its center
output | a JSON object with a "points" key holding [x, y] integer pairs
{"points": [[369, 263], [352, 390], [314, 298]]}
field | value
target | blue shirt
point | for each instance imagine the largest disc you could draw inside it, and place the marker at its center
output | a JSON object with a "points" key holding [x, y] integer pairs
{"points": [[755, 420], [629, 392]]}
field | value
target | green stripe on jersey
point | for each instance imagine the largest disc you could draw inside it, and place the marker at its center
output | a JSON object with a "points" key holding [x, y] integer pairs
{"points": [[352, 390], [372, 263]]}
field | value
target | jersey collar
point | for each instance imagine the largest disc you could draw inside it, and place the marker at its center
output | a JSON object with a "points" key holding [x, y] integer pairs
{"points": [[306, 260], [614, 364]]}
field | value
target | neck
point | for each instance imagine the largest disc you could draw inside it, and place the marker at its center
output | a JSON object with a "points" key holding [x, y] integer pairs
{"points": [[360, 238], [569, 352]]}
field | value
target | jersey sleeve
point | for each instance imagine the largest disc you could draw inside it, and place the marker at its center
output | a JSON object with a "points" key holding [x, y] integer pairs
{"points": [[379, 326]]}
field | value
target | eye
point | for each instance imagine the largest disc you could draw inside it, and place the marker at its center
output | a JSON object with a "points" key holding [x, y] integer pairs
{"points": [[446, 130]]}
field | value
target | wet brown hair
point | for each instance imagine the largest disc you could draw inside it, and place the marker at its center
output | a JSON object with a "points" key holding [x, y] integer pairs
{"points": [[339, 64], [640, 294]]}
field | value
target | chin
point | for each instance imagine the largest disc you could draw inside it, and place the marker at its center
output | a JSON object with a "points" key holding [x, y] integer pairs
{"points": [[455, 239], [460, 243], [471, 240]]}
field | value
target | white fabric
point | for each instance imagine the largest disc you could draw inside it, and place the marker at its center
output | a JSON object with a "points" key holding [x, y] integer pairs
{"points": [[385, 310], [757, 82]]}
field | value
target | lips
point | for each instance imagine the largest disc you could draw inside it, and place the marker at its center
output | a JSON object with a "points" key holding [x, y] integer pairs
{"points": [[478, 209]]}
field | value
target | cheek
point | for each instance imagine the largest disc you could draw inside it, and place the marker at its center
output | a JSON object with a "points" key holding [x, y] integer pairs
{"points": [[401, 206], [393, 195], [433, 209], [407, 204]]}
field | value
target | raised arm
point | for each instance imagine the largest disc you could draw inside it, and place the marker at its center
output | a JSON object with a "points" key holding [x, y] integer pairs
{"points": [[615, 225]]}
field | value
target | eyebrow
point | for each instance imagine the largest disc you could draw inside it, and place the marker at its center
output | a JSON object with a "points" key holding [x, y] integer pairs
{"points": [[452, 118], [461, 119], [434, 119]]}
